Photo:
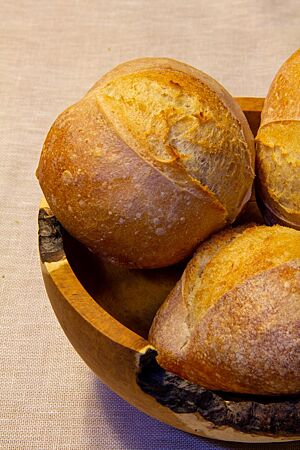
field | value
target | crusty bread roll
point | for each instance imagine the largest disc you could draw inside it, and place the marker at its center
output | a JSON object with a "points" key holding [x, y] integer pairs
{"points": [[232, 322], [278, 147], [151, 161]]}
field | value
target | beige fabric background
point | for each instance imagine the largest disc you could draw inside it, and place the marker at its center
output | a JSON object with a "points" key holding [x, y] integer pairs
{"points": [[51, 52]]}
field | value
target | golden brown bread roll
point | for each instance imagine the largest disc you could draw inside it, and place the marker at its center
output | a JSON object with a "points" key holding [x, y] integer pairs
{"points": [[278, 147], [151, 161], [232, 322]]}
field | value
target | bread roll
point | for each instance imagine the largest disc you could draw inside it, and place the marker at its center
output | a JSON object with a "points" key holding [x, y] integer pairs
{"points": [[278, 147], [151, 161], [232, 322]]}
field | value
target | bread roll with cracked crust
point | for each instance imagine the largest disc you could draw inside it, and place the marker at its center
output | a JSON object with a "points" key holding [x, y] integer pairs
{"points": [[278, 147], [153, 159], [232, 322]]}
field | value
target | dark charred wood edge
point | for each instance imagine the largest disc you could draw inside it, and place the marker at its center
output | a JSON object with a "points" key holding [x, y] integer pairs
{"points": [[274, 418], [50, 237]]}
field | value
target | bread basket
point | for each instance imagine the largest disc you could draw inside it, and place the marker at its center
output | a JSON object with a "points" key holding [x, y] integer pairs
{"points": [[106, 313]]}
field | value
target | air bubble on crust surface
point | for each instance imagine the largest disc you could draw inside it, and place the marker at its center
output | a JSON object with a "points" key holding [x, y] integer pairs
{"points": [[160, 231], [53, 200], [67, 177]]}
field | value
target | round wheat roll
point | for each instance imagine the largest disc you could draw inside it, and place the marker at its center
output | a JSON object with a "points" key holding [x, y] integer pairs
{"points": [[232, 321], [278, 147], [152, 160]]}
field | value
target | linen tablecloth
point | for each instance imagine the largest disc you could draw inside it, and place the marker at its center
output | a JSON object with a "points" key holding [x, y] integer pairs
{"points": [[51, 52]]}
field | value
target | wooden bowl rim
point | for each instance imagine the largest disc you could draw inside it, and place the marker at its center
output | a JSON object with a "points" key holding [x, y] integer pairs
{"points": [[74, 292]]}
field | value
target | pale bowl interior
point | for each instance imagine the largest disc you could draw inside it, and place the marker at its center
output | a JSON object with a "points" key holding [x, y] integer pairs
{"points": [[131, 296]]}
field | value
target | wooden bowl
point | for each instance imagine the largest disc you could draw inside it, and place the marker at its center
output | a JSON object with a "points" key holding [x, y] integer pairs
{"points": [[106, 313]]}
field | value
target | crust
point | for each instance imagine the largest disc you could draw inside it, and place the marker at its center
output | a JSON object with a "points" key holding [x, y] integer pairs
{"points": [[278, 147], [272, 212], [248, 339], [111, 195], [111, 200], [203, 256], [176, 175], [283, 100], [260, 319], [191, 79], [144, 64], [171, 328]]}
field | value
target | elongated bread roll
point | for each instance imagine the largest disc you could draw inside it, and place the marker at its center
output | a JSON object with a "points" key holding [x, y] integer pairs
{"points": [[232, 322], [150, 162], [278, 147]]}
